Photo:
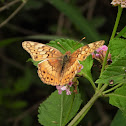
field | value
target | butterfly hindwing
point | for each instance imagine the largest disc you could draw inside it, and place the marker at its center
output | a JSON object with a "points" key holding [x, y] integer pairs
{"points": [[49, 71], [69, 72]]}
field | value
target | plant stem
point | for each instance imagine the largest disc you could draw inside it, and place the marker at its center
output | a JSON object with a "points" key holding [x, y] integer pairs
{"points": [[112, 36], [116, 22], [122, 32], [113, 88], [87, 107], [91, 81], [110, 94]]}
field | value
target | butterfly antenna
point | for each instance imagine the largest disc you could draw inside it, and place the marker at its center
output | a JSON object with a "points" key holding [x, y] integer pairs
{"points": [[61, 45], [80, 41]]}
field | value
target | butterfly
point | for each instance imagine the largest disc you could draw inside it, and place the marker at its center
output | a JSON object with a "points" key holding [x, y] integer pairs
{"points": [[56, 68]]}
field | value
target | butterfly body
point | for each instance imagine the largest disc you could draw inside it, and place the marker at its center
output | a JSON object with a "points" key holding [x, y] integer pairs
{"points": [[56, 68], [65, 60]]}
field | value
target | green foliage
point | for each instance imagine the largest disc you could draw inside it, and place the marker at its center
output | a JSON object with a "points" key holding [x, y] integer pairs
{"points": [[124, 35], [116, 71], [87, 64], [67, 45], [59, 109], [119, 119], [118, 98], [117, 48], [35, 63], [77, 19]]}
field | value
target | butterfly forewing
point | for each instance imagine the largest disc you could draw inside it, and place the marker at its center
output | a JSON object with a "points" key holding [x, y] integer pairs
{"points": [[40, 51], [82, 53]]}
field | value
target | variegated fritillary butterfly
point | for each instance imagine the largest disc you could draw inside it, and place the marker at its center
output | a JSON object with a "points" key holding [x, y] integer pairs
{"points": [[56, 68]]}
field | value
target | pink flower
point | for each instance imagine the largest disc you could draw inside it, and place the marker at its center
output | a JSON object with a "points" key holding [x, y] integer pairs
{"points": [[100, 54], [68, 92], [59, 89], [104, 48], [65, 88], [119, 2]]}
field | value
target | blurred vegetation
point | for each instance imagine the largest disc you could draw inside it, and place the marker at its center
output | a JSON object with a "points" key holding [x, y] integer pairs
{"points": [[21, 90]]}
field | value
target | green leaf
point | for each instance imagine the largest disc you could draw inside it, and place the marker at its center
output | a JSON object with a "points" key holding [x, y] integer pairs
{"points": [[35, 63], [118, 98], [117, 48], [59, 109], [115, 72], [65, 45], [119, 119], [87, 65], [76, 18], [124, 35]]}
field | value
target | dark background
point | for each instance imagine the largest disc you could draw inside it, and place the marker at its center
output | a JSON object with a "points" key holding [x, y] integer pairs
{"points": [[21, 90]]}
